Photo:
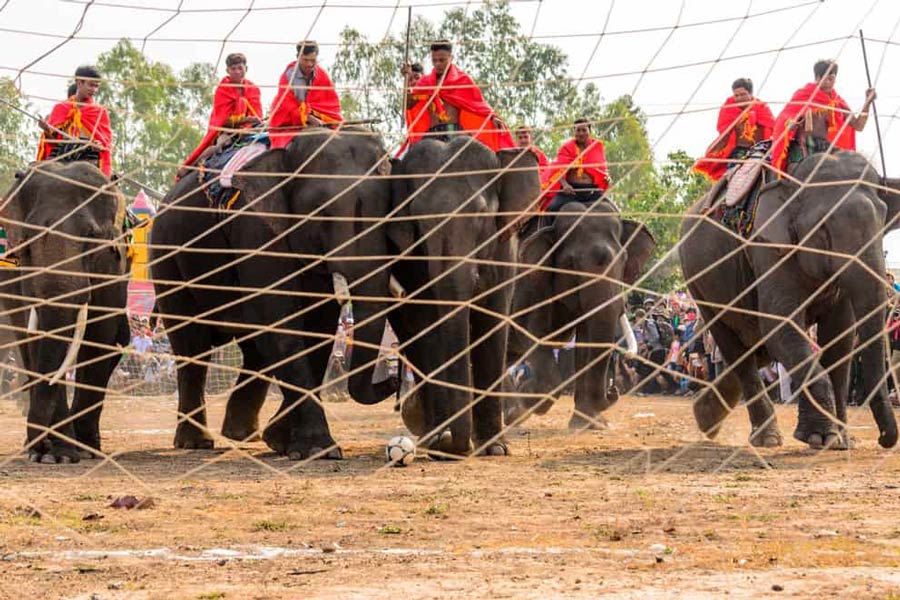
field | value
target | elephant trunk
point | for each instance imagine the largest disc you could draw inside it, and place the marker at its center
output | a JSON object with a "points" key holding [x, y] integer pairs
{"points": [[367, 336]]}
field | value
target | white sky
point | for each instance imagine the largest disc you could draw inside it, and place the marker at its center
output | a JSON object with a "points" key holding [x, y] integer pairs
{"points": [[681, 100]]}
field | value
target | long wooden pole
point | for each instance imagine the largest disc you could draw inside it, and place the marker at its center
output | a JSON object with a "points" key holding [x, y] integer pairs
{"points": [[862, 41]]}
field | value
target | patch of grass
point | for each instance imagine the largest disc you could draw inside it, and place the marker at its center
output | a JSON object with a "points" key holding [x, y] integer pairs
{"points": [[743, 477], [268, 525], [390, 530], [211, 595], [605, 533], [763, 518], [88, 497], [437, 510], [641, 493]]}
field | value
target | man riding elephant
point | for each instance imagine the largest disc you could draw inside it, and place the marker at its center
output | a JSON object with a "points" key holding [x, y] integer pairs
{"points": [[579, 172], [306, 97], [815, 119], [744, 121], [78, 129], [447, 103]]}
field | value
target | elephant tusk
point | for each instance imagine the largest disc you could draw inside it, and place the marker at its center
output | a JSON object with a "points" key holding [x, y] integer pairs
{"points": [[32, 320], [397, 290], [629, 335], [74, 345], [341, 288]]}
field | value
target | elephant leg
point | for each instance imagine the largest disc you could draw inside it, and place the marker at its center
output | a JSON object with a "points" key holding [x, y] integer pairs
{"points": [[192, 341], [836, 329], [817, 421], [98, 364], [488, 370], [299, 430], [241, 422]]}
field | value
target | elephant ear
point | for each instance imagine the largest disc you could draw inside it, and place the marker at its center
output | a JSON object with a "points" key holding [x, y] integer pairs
{"points": [[639, 244], [534, 248], [402, 232], [262, 182], [891, 197], [771, 225]]}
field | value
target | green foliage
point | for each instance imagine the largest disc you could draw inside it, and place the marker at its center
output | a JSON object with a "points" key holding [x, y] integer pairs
{"points": [[15, 133], [157, 115]]}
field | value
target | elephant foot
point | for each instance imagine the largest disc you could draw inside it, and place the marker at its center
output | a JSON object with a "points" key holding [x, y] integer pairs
{"points": [[189, 437], [315, 449], [709, 412], [495, 448], [582, 422], [612, 395], [766, 437], [412, 412], [446, 447], [62, 454], [817, 440], [240, 432]]}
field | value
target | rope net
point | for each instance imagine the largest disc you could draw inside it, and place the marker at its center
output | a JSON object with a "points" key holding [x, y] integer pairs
{"points": [[326, 298]]}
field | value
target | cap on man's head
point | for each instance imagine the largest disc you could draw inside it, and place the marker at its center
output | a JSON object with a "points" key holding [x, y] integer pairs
{"points": [[743, 82], [235, 58], [824, 67], [305, 47], [87, 72], [441, 45]]}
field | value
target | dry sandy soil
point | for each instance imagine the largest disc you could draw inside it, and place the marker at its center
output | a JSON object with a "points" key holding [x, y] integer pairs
{"points": [[643, 510]]}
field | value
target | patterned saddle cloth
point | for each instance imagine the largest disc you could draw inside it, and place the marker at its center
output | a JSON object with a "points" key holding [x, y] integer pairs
{"points": [[734, 199], [218, 169]]}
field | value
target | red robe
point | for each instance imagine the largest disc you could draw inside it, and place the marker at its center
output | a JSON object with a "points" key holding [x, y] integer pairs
{"points": [[807, 101], [80, 120], [288, 115], [749, 124], [457, 89], [592, 161], [231, 101]]}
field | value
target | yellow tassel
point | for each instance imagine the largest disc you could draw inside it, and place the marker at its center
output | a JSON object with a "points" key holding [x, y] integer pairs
{"points": [[232, 200]]}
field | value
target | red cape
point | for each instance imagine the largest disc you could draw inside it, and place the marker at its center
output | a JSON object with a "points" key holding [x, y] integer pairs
{"points": [[457, 89], [811, 99], [234, 101], [592, 161], [80, 119], [288, 115], [735, 122]]}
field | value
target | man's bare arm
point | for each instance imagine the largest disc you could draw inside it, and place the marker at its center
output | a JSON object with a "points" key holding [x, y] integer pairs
{"points": [[859, 121]]}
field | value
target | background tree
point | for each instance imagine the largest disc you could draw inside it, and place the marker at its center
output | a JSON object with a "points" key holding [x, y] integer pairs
{"points": [[16, 133], [157, 115]]}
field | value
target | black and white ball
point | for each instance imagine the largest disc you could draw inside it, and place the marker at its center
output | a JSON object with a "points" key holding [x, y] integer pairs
{"points": [[400, 451]]}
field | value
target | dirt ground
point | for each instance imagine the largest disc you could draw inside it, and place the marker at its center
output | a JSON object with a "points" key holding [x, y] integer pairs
{"points": [[642, 510]]}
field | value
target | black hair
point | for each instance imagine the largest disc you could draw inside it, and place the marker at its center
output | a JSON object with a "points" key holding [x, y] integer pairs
{"points": [[87, 72], [73, 89], [235, 58], [582, 121], [417, 68], [743, 82], [824, 67], [305, 47], [441, 45]]}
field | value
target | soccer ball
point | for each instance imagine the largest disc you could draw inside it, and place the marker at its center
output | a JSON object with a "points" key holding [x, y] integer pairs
{"points": [[400, 451]]}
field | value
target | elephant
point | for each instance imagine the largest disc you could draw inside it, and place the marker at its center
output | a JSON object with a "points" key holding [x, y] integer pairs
{"points": [[552, 301], [457, 205], [66, 300], [263, 274], [814, 258]]}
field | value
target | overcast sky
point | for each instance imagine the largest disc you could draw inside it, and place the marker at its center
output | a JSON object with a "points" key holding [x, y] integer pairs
{"points": [[677, 64]]}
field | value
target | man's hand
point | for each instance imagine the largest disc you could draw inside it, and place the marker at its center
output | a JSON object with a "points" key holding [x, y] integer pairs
{"points": [[45, 126], [567, 188], [871, 95], [252, 121], [313, 121]]}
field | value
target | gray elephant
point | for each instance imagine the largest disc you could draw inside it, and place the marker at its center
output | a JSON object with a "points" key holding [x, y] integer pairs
{"points": [[456, 209], [263, 273], [576, 271], [815, 258], [66, 300]]}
